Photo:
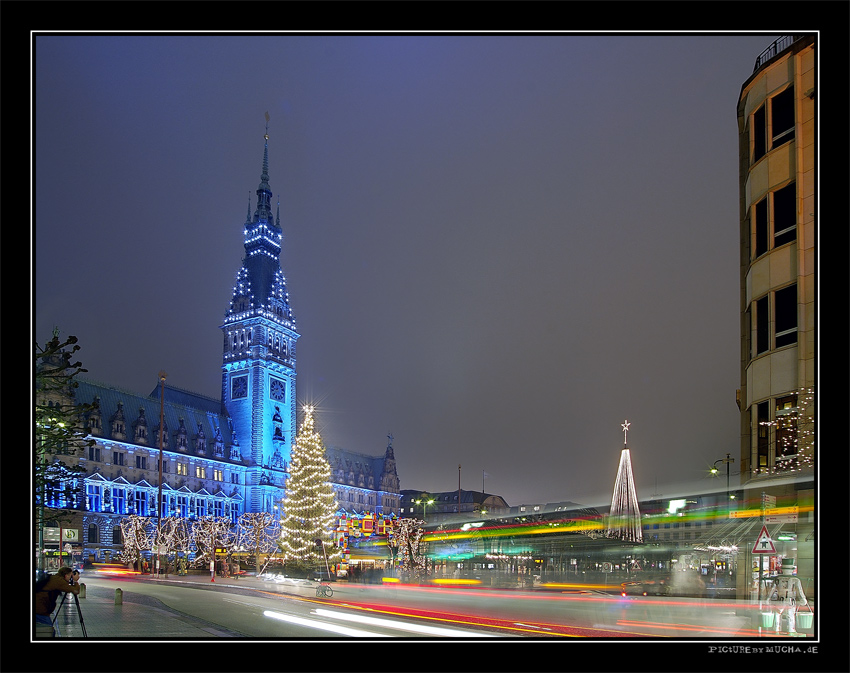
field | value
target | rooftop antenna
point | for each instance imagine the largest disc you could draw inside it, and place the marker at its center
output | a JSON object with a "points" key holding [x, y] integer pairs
{"points": [[267, 126], [656, 494]]}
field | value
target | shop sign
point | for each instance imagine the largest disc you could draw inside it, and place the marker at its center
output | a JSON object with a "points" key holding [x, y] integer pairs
{"points": [[70, 535]]}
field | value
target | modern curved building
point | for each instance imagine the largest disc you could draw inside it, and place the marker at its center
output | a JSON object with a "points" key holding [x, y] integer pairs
{"points": [[777, 131]]}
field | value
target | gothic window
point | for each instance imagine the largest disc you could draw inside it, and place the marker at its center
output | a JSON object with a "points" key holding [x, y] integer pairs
{"points": [[141, 503], [200, 440], [182, 439], [94, 497], [118, 422], [119, 501]]}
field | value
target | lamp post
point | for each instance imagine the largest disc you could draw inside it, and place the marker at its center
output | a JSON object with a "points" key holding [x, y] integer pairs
{"points": [[728, 459], [424, 503], [162, 376]]}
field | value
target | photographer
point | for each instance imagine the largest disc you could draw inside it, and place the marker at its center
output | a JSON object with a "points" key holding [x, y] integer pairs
{"points": [[66, 580]]}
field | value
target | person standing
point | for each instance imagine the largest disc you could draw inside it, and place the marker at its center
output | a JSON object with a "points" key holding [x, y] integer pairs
{"points": [[66, 580]]}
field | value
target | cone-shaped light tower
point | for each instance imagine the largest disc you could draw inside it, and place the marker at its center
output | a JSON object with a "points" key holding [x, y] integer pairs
{"points": [[624, 518]]}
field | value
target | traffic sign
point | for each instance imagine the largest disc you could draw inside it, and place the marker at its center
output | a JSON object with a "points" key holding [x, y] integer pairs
{"points": [[764, 543]]}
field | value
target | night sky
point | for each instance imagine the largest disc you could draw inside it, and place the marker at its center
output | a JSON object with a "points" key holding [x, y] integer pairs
{"points": [[497, 248]]}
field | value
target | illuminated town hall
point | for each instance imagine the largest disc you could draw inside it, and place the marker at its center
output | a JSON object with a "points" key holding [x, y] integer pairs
{"points": [[221, 457]]}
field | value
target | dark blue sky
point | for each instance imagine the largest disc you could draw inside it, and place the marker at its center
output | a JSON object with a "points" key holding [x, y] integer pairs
{"points": [[497, 248]]}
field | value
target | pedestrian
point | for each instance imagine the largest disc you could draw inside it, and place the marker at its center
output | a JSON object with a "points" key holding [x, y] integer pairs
{"points": [[66, 580]]}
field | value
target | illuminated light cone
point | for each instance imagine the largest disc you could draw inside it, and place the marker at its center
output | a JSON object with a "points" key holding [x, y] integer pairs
{"points": [[624, 517]]}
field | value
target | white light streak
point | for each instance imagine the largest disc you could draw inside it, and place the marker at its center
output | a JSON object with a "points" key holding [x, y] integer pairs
{"points": [[312, 623], [402, 626]]}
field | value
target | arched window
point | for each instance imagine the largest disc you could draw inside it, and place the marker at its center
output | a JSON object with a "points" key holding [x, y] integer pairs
{"points": [[93, 536]]}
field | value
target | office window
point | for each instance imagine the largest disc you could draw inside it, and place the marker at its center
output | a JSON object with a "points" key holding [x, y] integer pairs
{"points": [[93, 536], [782, 117], [117, 458], [761, 226], [785, 301], [200, 471], [94, 453], [762, 320], [776, 130], [762, 436], [182, 468], [785, 417], [759, 130], [218, 475], [142, 462], [780, 208], [785, 214]]}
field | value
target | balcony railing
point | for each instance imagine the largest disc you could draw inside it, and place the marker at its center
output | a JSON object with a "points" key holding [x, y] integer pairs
{"points": [[776, 46]]}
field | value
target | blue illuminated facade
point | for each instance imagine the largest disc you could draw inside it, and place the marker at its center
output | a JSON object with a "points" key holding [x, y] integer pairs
{"points": [[258, 369], [221, 457]]}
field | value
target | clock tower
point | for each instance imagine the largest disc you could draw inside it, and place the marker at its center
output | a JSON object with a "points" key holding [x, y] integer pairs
{"points": [[258, 370]]}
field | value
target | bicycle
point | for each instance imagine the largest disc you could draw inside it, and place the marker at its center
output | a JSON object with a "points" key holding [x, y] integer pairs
{"points": [[324, 591]]}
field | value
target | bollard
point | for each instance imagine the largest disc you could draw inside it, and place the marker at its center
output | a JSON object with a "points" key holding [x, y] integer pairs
{"points": [[119, 597], [82, 590]]}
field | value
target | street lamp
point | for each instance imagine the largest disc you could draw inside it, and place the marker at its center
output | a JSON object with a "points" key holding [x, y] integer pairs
{"points": [[728, 459], [424, 503], [162, 376]]}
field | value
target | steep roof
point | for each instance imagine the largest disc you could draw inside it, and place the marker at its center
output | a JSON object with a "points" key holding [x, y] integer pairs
{"points": [[196, 411]]}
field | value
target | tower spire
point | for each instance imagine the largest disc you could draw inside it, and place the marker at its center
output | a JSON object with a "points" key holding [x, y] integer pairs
{"points": [[264, 192]]}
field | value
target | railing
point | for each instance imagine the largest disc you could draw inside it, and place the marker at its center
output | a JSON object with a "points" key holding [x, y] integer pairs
{"points": [[777, 46]]}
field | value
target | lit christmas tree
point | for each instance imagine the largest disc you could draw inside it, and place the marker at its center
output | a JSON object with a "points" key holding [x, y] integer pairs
{"points": [[624, 517], [309, 508]]}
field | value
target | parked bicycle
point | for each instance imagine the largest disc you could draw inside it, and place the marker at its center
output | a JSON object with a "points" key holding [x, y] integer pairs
{"points": [[324, 591]]}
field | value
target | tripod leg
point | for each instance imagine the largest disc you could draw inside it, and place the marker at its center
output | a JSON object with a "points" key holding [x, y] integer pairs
{"points": [[80, 614], [56, 614]]}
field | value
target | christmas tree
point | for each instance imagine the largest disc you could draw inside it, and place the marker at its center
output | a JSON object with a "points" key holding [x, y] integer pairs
{"points": [[309, 508]]}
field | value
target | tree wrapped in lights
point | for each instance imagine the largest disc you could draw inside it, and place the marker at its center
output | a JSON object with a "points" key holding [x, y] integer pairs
{"points": [[60, 431], [257, 532], [137, 536], [408, 538], [309, 508], [208, 533]]}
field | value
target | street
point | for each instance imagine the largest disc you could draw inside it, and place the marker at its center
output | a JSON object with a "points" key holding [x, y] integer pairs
{"points": [[263, 610]]}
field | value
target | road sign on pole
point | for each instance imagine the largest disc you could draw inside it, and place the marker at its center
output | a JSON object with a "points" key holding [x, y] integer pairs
{"points": [[764, 543]]}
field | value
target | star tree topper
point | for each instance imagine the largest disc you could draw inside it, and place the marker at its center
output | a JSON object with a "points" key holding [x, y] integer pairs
{"points": [[625, 425]]}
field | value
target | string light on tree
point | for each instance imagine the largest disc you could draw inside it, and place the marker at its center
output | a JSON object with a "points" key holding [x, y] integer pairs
{"points": [[309, 508]]}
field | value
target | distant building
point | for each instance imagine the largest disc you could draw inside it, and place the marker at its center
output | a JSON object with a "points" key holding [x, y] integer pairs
{"points": [[443, 506], [221, 457]]}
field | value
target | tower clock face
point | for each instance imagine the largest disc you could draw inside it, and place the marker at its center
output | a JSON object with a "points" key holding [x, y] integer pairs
{"points": [[239, 387], [277, 390]]}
